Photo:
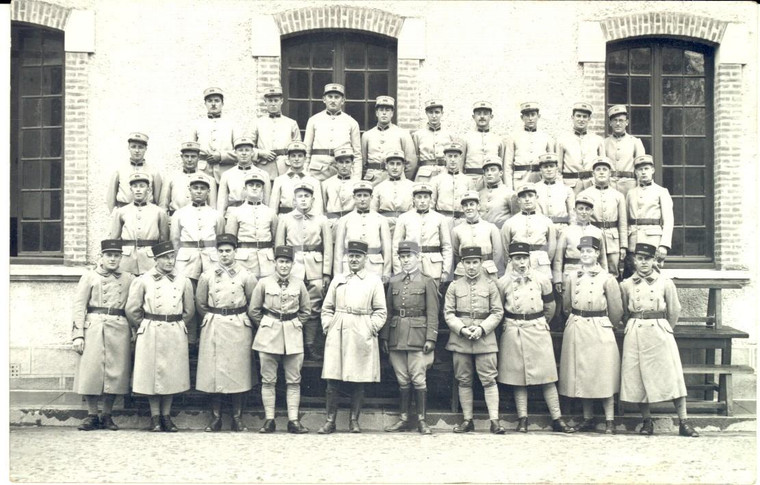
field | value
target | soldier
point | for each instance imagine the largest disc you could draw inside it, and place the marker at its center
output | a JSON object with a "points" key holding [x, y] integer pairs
{"points": [[102, 335], [281, 199], [622, 148], [193, 233], [338, 190], [526, 353], [224, 351], [609, 214], [650, 212], [496, 199], [393, 196], [310, 237], [651, 368], [577, 150], [272, 134], [410, 333], [590, 361], [118, 189], [555, 199], [216, 136], [525, 147], [476, 232], [364, 224], [352, 315], [385, 137], [175, 194], [481, 143], [430, 231], [450, 185], [232, 184], [329, 130], [532, 228], [280, 308], [162, 365], [430, 142], [255, 225], [139, 225], [472, 312]]}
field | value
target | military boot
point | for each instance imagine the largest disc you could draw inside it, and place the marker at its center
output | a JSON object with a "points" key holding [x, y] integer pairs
{"points": [[403, 422], [90, 423], [331, 405], [357, 398], [420, 396]]}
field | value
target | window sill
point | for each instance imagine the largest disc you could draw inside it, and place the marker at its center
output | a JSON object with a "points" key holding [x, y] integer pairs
{"points": [[704, 278], [46, 272]]}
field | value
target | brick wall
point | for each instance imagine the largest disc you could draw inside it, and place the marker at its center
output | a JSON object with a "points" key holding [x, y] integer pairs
{"points": [[339, 17], [409, 114], [664, 23], [593, 92], [267, 76], [40, 13]]}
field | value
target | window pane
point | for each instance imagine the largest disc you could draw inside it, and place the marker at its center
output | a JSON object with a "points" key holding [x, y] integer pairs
{"points": [[31, 45], [640, 89], [695, 181], [671, 91], [672, 179], [695, 212], [30, 236], [641, 61], [617, 62], [356, 110], [298, 56], [299, 111], [51, 205], [678, 211], [52, 80], [31, 81], [695, 63], [30, 112], [318, 81], [30, 143], [52, 143], [694, 91], [677, 243], [672, 61], [647, 142], [672, 151], [617, 90], [50, 174], [298, 84], [53, 50], [52, 112], [640, 122], [355, 55], [355, 85], [31, 205], [672, 121], [51, 236], [377, 57], [696, 151], [30, 174], [694, 121], [322, 54], [695, 242], [378, 84]]}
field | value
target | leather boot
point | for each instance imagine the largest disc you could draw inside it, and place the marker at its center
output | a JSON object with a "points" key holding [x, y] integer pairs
{"points": [[420, 396], [586, 425], [331, 405], [295, 427], [169, 426], [269, 426], [522, 425], [465, 426], [403, 422], [155, 424], [609, 427], [90, 423], [106, 422], [685, 429], [215, 424], [496, 427], [560, 426], [237, 414], [647, 427], [357, 398]]}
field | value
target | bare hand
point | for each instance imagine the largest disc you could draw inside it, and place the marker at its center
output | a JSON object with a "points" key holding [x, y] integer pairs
{"points": [[267, 155], [384, 346], [428, 347], [78, 345], [623, 254], [216, 157], [476, 333], [325, 285], [559, 287], [466, 332], [662, 251]]}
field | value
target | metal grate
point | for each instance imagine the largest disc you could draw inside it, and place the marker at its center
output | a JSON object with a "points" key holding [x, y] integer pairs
{"points": [[15, 370]]}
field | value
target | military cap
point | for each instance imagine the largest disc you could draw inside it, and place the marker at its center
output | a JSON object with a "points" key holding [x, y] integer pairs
{"points": [[190, 146], [529, 106], [283, 252], [526, 188], [394, 154], [519, 249], [420, 188], [110, 245], [589, 242], [273, 91], [385, 101], [584, 199], [453, 147], [162, 248], [645, 250], [137, 136], [358, 247], [213, 91], [363, 185], [583, 107], [242, 141], [601, 161], [335, 88], [139, 177], [408, 247], [433, 103], [304, 186], [547, 158], [482, 105], [470, 195], [492, 161], [643, 160], [471, 252], [297, 146], [343, 152], [199, 178], [254, 176], [230, 239], [618, 109]]}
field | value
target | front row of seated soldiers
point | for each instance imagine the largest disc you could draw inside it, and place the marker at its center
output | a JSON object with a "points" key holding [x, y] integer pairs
{"points": [[112, 309]]}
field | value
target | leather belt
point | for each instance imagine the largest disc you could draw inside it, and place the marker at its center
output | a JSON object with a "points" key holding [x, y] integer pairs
{"points": [[197, 244], [336, 215], [163, 318], [374, 166], [430, 249], [227, 311], [106, 311], [451, 213], [589, 313], [648, 315], [432, 163], [522, 168], [390, 213], [644, 222], [473, 315], [280, 151], [140, 243], [616, 173], [572, 261], [278, 315], [309, 248], [537, 247], [353, 311], [560, 219], [284, 210], [523, 316], [322, 151], [375, 251], [473, 170], [236, 203], [255, 244], [576, 175], [406, 313], [605, 224]]}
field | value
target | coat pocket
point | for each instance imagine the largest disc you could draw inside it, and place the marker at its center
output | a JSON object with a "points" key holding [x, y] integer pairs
{"points": [[375, 258], [417, 332], [183, 254], [435, 257]]}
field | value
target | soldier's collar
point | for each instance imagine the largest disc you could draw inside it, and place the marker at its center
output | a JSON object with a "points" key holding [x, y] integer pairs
{"points": [[362, 211], [549, 182], [472, 222], [253, 202], [412, 274], [484, 130], [580, 132], [422, 212], [394, 179], [213, 116], [104, 272], [301, 215], [592, 271], [158, 274], [599, 187], [494, 185], [245, 167], [198, 204], [341, 177], [336, 113], [382, 128], [188, 171], [527, 276], [616, 136], [453, 172], [528, 213], [137, 164], [140, 204], [645, 184], [362, 273], [530, 130], [292, 174], [434, 127], [275, 115], [650, 278], [230, 270]]}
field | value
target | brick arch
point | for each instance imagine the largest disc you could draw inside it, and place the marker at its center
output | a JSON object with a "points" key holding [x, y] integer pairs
{"points": [[339, 17], [664, 23], [40, 13]]}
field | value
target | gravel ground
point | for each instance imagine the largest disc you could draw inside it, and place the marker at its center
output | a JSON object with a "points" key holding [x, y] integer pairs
{"points": [[50, 454]]}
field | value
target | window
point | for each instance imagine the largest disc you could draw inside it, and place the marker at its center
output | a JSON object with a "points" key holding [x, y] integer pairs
{"points": [[37, 82], [667, 85], [364, 64]]}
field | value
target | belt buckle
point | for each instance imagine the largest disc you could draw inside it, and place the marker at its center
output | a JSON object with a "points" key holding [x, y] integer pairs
{"points": [[110, 311], [225, 312], [402, 312], [472, 314], [349, 310]]}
